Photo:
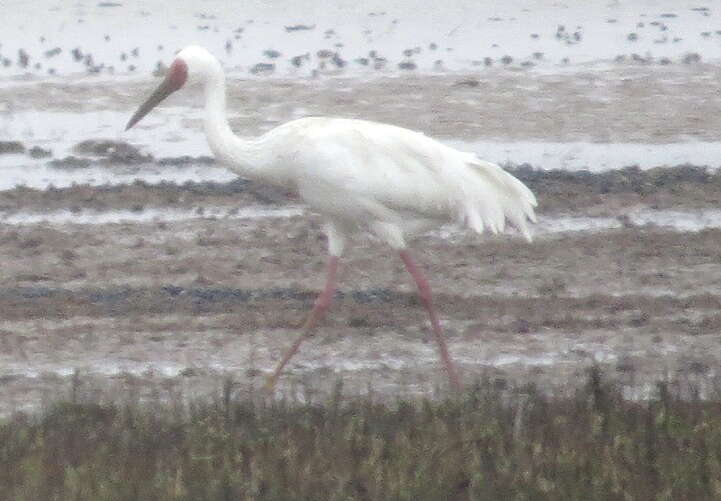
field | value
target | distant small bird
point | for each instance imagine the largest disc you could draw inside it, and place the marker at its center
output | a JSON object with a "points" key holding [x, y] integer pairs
{"points": [[23, 58], [361, 176]]}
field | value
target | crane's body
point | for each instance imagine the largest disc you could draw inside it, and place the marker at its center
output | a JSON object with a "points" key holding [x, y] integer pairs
{"points": [[382, 178], [359, 175]]}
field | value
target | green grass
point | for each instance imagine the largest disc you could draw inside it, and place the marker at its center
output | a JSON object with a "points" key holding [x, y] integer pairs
{"points": [[489, 443]]}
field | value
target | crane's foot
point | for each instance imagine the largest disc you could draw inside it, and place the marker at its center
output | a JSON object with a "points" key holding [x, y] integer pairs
{"points": [[270, 384], [455, 381], [424, 292], [321, 306]]}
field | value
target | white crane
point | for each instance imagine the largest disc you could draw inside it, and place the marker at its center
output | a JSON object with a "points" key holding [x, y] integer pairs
{"points": [[361, 176]]}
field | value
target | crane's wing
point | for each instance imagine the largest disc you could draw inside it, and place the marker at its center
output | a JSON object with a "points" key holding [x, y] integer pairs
{"points": [[377, 170]]}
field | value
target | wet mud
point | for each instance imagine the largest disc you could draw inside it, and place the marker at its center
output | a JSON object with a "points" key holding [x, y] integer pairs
{"points": [[173, 307], [618, 103], [177, 306], [580, 193]]}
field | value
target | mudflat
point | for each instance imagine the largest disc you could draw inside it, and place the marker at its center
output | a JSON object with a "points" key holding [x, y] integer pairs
{"points": [[200, 281]]}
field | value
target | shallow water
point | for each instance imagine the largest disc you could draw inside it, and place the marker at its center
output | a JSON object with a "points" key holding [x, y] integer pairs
{"points": [[463, 31], [40, 175], [595, 157], [682, 221], [19, 170], [65, 217]]}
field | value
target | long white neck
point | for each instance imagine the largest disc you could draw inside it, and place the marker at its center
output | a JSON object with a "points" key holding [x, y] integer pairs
{"points": [[245, 157]]}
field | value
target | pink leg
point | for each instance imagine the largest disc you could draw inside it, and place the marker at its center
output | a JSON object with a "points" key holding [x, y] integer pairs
{"points": [[424, 291], [321, 306]]}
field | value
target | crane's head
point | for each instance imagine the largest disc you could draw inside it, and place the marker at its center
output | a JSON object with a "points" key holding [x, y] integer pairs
{"points": [[191, 63]]}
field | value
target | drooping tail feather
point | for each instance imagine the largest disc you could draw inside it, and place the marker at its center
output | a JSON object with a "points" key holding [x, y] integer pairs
{"points": [[492, 195]]}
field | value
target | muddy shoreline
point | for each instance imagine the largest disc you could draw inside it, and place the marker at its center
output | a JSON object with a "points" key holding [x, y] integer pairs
{"points": [[182, 305], [616, 103], [134, 308], [579, 193]]}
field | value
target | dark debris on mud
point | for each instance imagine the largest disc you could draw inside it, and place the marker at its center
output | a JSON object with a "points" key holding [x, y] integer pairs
{"points": [[682, 186], [113, 151], [49, 302], [528, 314], [141, 194], [679, 186], [629, 179], [11, 147]]}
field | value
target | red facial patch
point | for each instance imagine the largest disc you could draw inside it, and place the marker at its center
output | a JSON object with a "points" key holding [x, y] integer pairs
{"points": [[177, 74]]}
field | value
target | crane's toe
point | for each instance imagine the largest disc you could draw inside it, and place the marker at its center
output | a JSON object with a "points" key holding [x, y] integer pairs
{"points": [[270, 383]]}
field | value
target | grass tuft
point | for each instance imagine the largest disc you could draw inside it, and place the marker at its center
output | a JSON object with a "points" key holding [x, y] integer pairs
{"points": [[488, 443]]}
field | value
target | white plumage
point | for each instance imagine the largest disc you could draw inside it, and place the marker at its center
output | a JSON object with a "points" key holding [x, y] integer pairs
{"points": [[359, 175], [362, 174]]}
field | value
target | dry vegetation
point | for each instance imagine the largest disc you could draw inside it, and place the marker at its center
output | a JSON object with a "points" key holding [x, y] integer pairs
{"points": [[489, 443]]}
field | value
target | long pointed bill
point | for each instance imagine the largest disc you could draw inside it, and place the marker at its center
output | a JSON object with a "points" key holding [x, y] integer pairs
{"points": [[174, 80]]}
